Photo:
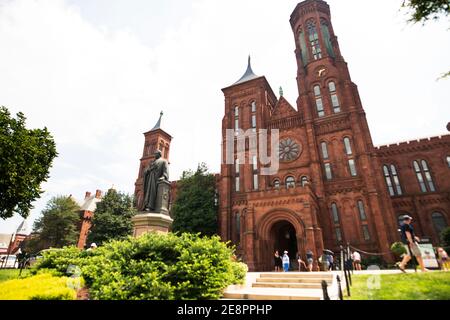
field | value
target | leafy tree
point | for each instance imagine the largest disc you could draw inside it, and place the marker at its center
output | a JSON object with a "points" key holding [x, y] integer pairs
{"points": [[445, 237], [58, 225], [194, 209], [26, 157], [423, 10], [112, 218]]}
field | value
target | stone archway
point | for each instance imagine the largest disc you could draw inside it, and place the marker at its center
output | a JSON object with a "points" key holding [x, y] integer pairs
{"points": [[279, 229]]}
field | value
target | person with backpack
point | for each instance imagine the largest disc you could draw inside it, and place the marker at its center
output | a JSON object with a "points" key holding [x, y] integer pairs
{"points": [[410, 240]]}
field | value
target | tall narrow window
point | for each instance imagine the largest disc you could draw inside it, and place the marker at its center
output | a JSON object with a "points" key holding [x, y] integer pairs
{"points": [[348, 146], [314, 43], [304, 181], [290, 182], [319, 102], [253, 107], [421, 169], [328, 173], [236, 119], [338, 234], [238, 227], [255, 173], [392, 181], [237, 175], [324, 148], [304, 50], [335, 213], [327, 37], [253, 124], [439, 222], [352, 167], [448, 161], [362, 211], [366, 233], [334, 97]]}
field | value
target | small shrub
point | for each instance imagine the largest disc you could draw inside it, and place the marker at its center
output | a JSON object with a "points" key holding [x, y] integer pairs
{"points": [[39, 287], [59, 260], [240, 270], [398, 249]]}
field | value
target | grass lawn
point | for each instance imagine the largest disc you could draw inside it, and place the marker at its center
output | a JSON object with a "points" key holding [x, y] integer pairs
{"points": [[410, 286], [9, 274]]}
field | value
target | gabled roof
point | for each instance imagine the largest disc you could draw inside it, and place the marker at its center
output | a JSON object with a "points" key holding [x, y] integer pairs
{"points": [[23, 228], [283, 109]]}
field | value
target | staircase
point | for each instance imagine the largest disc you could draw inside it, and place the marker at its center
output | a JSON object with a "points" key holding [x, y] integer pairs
{"points": [[283, 286]]}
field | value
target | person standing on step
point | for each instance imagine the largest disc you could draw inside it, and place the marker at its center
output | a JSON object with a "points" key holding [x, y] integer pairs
{"points": [[300, 263], [310, 259], [285, 261], [278, 262]]}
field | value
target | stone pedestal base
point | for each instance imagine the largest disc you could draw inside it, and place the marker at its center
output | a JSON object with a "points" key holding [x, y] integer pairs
{"points": [[147, 222]]}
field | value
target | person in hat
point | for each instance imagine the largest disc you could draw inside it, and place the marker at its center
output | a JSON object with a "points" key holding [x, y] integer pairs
{"points": [[285, 261], [410, 240]]}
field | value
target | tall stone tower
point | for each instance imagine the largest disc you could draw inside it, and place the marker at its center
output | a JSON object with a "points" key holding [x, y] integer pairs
{"points": [[155, 139], [338, 135]]}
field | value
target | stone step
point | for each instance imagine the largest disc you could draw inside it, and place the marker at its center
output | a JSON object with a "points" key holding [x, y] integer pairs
{"points": [[274, 294], [321, 275], [295, 280], [287, 285]]}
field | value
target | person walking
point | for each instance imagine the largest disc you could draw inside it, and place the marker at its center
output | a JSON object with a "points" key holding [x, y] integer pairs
{"points": [[285, 261], [277, 261], [310, 259], [410, 240], [356, 257], [443, 259], [330, 262]]}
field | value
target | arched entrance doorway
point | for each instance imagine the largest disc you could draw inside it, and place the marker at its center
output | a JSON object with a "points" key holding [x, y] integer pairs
{"points": [[284, 238], [279, 229]]}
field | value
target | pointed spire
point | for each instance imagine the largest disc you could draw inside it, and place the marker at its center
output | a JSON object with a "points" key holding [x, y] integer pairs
{"points": [[158, 124], [249, 74]]}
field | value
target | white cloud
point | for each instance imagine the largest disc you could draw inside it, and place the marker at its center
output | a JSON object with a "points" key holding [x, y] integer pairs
{"points": [[98, 88]]}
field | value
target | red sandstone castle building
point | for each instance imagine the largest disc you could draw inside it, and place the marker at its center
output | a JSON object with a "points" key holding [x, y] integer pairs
{"points": [[333, 186]]}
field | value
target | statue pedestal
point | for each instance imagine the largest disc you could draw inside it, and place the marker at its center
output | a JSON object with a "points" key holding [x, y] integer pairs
{"points": [[148, 221]]}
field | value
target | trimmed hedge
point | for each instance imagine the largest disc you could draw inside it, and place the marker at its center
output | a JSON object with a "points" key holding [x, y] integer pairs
{"points": [[153, 267], [39, 287]]}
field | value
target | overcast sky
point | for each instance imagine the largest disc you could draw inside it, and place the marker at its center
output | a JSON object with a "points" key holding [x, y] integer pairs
{"points": [[98, 72]]}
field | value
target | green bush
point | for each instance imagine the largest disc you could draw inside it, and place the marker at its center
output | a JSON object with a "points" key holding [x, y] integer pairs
{"points": [[58, 261], [445, 237], [154, 266], [39, 287], [398, 249]]}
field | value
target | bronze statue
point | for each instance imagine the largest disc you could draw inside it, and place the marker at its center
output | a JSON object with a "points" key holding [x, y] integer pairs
{"points": [[156, 172]]}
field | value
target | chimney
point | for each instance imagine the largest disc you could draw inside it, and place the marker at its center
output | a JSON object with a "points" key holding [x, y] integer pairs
{"points": [[98, 194], [88, 194]]}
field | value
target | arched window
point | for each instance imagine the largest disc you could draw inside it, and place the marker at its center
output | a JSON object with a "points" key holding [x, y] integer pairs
{"points": [[253, 119], [335, 213], [253, 106], [422, 170], [327, 37], [362, 211], [366, 232], [439, 222], [290, 182], [336, 222], [319, 102], [313, 37], [304, 181], [276, 184], [304, 51], [348, 146], [324, 148], [334, 97], [448, 161], [392, 181]]}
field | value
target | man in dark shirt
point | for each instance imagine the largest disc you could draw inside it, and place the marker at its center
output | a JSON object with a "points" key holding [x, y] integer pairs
{"points": [[410, 241]]}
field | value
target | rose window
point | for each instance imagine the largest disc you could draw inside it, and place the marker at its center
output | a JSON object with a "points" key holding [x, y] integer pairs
{"points": [[289, 150]]}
